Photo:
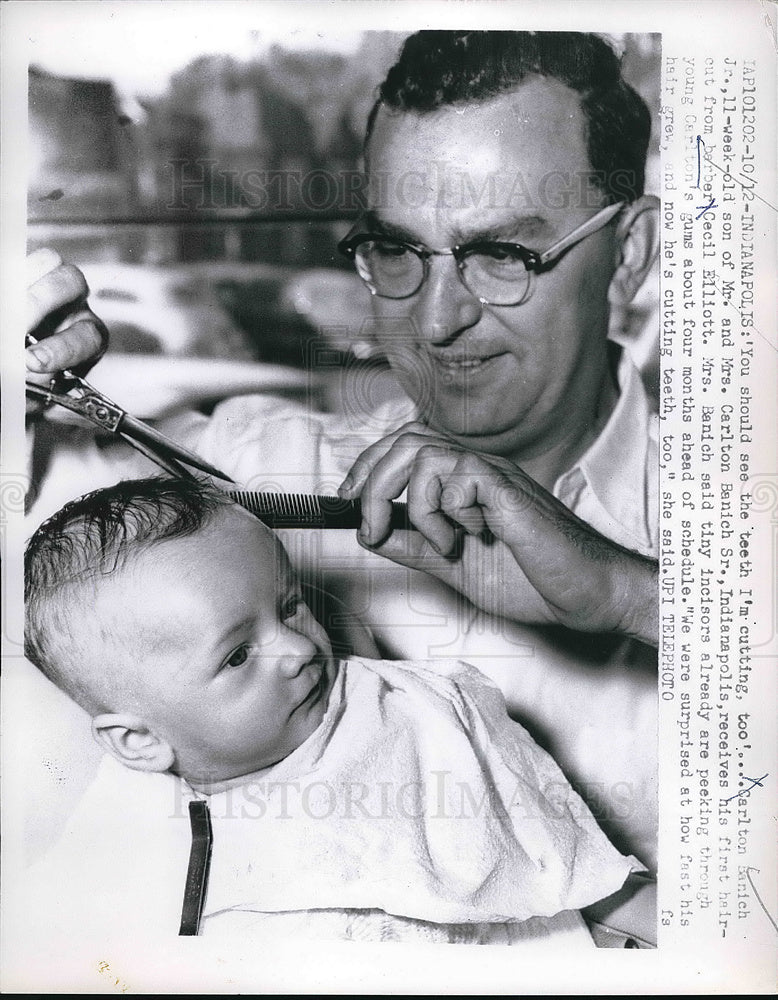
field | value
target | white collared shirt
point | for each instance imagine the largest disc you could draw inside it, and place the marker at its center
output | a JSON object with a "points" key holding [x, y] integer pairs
{"points": [[614, 485]]}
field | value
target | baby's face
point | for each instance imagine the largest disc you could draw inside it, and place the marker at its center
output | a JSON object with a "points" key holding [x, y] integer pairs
{"points": [[233, 671]]}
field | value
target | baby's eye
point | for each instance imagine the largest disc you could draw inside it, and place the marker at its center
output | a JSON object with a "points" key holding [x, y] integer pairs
{"points": [[290, 607], [239, 657]]}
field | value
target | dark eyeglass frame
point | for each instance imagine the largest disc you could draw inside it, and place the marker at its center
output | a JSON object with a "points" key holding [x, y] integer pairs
{"points": [[533, 260]]}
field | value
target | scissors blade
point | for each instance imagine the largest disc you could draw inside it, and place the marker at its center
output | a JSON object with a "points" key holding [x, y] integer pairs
{"points": [[161, 447], [170, 465], [104, 413]]}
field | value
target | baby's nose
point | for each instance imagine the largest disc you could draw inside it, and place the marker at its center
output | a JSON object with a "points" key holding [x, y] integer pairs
{"points": [[293, 652]]}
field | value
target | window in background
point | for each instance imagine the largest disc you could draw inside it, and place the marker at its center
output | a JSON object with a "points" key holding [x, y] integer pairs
{"points": [[206, 218]]}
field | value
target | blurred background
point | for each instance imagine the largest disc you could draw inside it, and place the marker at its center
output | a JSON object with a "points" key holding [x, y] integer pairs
{"points": [[203, 191]]}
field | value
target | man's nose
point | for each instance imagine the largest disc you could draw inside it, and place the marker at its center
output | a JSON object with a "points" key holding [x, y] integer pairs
{"points": [[444, 307]]}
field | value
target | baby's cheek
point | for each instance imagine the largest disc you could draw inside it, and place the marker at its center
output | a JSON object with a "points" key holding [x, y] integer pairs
{"points": [[321, 639], [308, 625]]}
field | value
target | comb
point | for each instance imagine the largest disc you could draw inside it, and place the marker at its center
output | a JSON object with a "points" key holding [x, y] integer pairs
{"points": [[304, 510]]}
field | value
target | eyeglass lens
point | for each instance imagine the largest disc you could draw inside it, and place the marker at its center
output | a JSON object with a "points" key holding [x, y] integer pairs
{"points": [[396, 271]]}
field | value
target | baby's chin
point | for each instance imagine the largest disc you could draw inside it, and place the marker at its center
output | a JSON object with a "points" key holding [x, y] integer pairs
{"points": [[315, 713], [312, 712]]}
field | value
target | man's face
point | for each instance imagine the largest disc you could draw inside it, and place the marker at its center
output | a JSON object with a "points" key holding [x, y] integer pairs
{"points": [[227, 663], [511, 380]]}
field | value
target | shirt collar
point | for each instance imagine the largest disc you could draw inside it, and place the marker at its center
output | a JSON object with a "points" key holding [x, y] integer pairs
{"points": [[614, 467], [612, 471]]}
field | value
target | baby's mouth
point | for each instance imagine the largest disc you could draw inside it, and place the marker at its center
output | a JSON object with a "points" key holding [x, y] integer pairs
{"points": [[319, 689]]}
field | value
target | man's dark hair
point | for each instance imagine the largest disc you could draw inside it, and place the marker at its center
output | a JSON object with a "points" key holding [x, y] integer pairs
{"points": [[93, 537], [440, 68]]}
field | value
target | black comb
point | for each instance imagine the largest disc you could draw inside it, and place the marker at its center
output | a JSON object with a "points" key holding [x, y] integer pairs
{"points": [[305, 510]]}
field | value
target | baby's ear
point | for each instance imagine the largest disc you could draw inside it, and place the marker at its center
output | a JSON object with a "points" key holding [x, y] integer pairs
{"points": [[131, 741]]}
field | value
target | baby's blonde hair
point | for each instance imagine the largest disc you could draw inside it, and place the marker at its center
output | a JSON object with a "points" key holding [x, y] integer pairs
{"points": [[89, 539]]}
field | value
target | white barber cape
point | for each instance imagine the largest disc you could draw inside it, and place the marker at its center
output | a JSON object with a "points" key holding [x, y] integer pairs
{"points": [[417, 796]]}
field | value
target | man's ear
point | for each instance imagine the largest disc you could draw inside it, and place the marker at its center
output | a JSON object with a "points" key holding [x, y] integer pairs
{"points": [[638, 236], [131, 741]]}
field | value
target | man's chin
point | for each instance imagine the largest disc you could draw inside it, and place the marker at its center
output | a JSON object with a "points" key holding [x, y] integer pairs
{"points": [[478, 433]]}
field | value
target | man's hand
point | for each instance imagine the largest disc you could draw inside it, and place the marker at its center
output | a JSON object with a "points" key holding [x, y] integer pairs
{"points": [[491, 532], [69, 333]]}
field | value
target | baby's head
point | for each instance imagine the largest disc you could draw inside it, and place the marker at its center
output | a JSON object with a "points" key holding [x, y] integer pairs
{"points": [[175, 619]]}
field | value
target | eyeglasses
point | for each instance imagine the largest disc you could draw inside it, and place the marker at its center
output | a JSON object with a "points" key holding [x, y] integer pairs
{"points": [[497, 273]]}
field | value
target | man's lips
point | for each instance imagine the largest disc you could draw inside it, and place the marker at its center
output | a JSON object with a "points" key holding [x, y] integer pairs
{"points": [[464, 361]]}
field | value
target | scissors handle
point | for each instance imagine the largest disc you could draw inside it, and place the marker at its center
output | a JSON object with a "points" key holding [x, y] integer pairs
{"points": [[86, 401]]}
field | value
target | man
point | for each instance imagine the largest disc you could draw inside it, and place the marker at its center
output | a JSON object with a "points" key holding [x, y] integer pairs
{"points": [[506, 217], [526, 379]]}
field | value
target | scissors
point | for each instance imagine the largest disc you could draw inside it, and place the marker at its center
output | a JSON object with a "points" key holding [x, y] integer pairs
{"points": [[277, 510], [77, 395]]}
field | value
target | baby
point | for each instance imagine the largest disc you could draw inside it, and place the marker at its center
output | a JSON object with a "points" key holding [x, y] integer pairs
{"points": [[354, 798]]}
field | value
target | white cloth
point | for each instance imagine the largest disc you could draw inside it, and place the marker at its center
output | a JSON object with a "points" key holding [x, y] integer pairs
{"points": [[416, 797], [550, 935]]}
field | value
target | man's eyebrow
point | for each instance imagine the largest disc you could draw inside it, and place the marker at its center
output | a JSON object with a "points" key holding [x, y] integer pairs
{"points": [[514, 229], [375, 224], [518, 228]]}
